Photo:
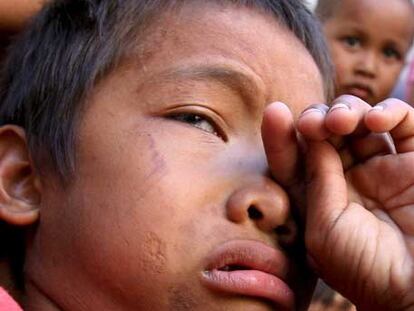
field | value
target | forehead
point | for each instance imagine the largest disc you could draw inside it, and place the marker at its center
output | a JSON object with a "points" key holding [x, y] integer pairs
{"points": [[395, 18], [234, 44]]}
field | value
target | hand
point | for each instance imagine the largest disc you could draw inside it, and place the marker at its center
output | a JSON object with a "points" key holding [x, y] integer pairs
{"points": [[14, 14], [360, 207]]}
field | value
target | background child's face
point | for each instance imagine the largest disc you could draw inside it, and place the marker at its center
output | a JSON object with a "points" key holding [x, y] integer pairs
{"points": [[166, 142], [369, 40]]}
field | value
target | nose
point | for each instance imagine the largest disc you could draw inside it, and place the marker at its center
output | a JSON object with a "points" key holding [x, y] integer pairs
{"points": [[367, 64], [262, 202]]}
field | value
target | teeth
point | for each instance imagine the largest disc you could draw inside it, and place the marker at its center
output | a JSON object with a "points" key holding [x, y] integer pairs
{"points": [[226, 269]]}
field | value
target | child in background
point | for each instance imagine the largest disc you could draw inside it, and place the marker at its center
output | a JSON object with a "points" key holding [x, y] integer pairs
{"points": [[369, 41], [136, 160]]}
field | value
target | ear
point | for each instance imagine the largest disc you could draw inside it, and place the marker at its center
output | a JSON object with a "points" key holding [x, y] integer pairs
{"points": [[19, 185]]}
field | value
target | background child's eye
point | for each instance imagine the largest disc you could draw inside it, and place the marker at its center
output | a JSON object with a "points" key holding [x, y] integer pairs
{"points": [[197, 121], [391, 53], [352, 41]]}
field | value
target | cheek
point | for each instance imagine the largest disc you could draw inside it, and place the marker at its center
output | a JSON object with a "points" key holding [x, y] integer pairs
{"points": [[342, 61], [389, 77], [143, 192], [123, 211]]}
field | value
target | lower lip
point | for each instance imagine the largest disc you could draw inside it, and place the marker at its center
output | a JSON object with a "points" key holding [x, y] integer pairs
{"points": [[252, 283], [359, 92]]}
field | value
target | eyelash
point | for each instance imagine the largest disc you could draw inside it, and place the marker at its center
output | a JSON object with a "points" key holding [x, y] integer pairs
{"points": [[391, 53], [194, 119], [351, 41]]}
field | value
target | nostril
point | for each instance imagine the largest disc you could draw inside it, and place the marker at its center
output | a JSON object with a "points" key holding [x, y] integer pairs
{"points": [[254, 213], [286, 234]]}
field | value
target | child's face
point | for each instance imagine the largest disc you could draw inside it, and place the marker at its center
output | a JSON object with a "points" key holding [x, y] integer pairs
{"points": [[369, 40], [170, 158]]}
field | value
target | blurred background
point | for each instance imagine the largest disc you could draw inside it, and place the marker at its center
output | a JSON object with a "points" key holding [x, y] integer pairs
{"points": [[400, 87]]}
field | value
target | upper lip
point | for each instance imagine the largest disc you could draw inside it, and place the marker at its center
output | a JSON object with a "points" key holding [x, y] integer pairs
{"points": [[362, 86], [248, 255]]}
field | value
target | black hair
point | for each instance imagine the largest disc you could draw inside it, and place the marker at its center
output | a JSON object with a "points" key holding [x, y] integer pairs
{"points": [[72, 44], [325, 9]]}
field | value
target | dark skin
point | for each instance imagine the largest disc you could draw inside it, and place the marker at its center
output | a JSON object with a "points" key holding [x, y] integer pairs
{"points": [[368, 50], [14, 14], [377, 208], [359, 226]]}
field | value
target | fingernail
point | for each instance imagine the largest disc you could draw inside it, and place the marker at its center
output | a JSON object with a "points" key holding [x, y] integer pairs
{"points": [[275, 105], [339, 106], [312, 110], [280, 105], [378, 108]]}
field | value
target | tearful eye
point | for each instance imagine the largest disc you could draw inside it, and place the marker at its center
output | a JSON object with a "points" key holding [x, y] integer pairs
{"points": [[197, 121]]}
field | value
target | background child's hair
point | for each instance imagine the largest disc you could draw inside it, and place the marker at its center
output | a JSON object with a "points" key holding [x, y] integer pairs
{"points": [[326, 8], [72, 44]]}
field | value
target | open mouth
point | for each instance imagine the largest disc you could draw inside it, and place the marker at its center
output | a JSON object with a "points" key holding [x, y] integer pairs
{"points": [[249, 268], [230, 268]]}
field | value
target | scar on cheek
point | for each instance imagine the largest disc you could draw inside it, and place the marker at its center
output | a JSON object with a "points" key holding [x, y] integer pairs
{"points": [[154, 254]]}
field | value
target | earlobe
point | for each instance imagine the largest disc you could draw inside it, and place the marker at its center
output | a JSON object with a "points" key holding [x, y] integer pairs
{"points": [[19, 185]]}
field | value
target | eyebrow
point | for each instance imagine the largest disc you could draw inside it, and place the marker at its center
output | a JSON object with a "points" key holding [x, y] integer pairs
{"points": [[242, 80]]}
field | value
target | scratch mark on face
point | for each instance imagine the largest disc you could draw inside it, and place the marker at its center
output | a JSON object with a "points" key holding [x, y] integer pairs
{"points": [[155, 168], [159, 165]]}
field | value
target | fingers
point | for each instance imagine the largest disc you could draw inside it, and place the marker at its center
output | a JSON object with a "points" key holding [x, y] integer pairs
{"points": [[350, 115], [327, 190], [372, 145], [359, 131], [311, 123], [345, 116], [397, 118], [281, 146]]}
